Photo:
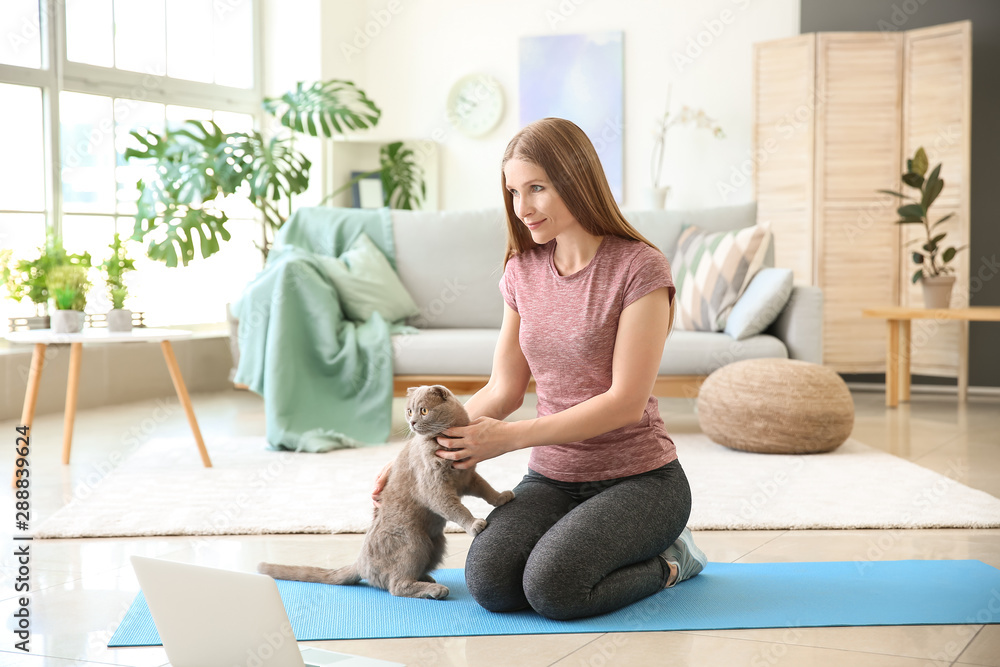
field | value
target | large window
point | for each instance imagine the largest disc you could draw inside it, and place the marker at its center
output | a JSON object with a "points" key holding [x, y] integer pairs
{"points": [[75, 79]]}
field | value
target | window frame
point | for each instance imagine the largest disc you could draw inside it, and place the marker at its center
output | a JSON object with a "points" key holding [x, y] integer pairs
{"points": [[58, 74]]}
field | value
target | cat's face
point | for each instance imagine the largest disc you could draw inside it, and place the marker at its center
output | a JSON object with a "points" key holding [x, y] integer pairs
{"points": [[431, 409]]}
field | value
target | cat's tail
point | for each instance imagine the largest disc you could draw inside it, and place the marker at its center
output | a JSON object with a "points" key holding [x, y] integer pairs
{"points": [[319, 575]]}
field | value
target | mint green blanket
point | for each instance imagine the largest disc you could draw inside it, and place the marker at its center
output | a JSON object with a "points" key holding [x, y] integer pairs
{"points": [[326, 381]]}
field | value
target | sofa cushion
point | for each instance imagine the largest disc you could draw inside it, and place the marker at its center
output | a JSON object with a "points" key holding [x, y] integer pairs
{"points": [[712, 271], [470, 351], [761, 303], [445, 352], [702, 352], [451, 262], [366, 283]]}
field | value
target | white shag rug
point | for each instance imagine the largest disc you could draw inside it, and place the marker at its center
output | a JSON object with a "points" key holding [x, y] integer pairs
{"points": [[162, 489]]}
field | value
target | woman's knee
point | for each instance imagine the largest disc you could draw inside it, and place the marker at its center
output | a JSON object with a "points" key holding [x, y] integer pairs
{"points": [[494, 589], [493, 580], [553, 592]]}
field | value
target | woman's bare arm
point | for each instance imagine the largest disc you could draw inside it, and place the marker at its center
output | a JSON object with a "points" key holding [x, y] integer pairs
{"points": [[642, 333]]}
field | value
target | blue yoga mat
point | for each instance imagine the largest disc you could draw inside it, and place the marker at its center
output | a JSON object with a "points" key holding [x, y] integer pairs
{"points": [[723, 596]]}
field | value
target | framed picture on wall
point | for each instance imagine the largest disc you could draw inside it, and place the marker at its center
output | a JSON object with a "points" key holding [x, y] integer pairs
{"points": [[580, 78], [367, 192]]}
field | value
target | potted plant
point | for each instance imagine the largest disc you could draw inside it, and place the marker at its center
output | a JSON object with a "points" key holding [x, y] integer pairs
{"points": [[115, 268], [68, 285], [933, 271], [196, 164], [656, 196], [29, 277]]}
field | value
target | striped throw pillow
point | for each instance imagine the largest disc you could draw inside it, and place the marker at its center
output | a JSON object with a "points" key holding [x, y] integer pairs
{"points": [[711, 271]]}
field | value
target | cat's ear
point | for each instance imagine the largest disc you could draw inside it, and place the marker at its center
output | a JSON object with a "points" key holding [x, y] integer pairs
{"points": [[441, 391], [410, 391]]}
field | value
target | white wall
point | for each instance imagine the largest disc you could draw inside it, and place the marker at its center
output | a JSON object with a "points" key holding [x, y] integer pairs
{"points": [[414, 50]]}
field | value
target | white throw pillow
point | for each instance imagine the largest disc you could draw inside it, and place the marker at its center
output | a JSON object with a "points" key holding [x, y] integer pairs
{"points": [[764, 299]]}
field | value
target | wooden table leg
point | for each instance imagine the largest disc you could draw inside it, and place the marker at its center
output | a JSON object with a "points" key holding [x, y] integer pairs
{"points": [[892, 365], [31, 394], [904, 360], [182, 394], [72, 389], [963, 360]]}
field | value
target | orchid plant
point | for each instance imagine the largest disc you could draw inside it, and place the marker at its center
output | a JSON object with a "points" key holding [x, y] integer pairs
{"points": [[686, 116]]}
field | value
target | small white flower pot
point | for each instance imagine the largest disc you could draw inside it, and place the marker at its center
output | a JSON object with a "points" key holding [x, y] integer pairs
{"points": [[937, 291], [67, 321], [655, 199], [120, 320]]}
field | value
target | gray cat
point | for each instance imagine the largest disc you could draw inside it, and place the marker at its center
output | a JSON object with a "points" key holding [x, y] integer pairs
{"points": [[406, 539]]}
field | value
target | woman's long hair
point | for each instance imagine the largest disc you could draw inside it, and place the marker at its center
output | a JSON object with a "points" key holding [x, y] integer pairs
{"points": [[570, 162]]}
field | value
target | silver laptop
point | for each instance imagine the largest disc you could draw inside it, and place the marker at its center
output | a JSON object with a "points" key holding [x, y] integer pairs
{"points": [[208, 616]]}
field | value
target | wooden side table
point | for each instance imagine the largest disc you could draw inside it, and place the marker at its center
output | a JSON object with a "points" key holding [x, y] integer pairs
{"points": [[42, 338], [897, 373]]}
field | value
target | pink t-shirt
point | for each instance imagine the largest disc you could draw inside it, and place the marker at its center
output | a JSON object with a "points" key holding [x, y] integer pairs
{"points": [[568, 329]]}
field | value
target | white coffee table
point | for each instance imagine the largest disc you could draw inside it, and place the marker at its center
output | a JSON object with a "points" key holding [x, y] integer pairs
{"points": [[42, 338]]}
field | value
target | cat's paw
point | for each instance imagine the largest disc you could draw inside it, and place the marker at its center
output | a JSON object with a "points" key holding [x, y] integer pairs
{"points": [[476, 527], [435, 592], [504, 498]]}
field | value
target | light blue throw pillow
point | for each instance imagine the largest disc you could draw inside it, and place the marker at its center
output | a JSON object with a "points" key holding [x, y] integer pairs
{"points": [[764, 299], [366, 283]]}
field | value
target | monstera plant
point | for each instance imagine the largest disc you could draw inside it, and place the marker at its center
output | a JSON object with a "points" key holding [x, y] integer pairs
{"points": [[197, 165]]}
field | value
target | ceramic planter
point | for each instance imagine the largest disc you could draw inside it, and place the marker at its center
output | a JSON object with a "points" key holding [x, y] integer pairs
{"points": [[120, 320], [655, 198], [937, 291], [67, 321]]}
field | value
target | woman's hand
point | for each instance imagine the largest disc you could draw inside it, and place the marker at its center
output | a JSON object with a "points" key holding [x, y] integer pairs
{"points": [[484, 438], [380, 480]]}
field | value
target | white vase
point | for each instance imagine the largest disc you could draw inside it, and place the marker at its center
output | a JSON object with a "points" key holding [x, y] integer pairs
{"points": [[67, 321], [655, 199], [120, 320], [937, 291]]}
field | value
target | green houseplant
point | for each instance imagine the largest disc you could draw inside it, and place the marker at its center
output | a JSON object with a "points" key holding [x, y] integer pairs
{"points": [[114, 269], [28, 278], [932, 268], [68, 285], [196, 165]]}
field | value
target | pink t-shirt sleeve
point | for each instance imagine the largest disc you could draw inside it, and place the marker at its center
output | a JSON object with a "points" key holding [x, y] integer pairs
{"points": [[648, 271], [507, 283]]}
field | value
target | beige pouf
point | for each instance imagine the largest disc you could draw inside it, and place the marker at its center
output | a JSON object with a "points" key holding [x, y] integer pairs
{"points": [[776, 406]]}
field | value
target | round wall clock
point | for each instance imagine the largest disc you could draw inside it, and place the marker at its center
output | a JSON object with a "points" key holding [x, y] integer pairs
{"points": [[475, 104]]}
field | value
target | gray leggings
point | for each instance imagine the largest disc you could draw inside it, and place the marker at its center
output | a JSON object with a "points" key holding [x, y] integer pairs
{"points": [[574, 549]]}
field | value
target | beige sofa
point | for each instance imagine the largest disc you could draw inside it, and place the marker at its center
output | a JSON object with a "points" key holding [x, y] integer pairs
{"points": [[451, 263]]}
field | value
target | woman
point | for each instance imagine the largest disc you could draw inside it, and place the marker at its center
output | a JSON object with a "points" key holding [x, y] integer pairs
{"points": [[599, 520]]}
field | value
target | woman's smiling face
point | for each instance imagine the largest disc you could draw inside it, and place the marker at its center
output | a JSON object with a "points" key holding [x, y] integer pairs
{"points": [[536, 202]]}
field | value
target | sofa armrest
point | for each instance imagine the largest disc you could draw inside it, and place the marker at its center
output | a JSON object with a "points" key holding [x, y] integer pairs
{"points": [[800, 324]]}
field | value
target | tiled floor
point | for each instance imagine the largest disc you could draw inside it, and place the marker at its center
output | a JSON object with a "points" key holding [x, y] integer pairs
{"points": [[81, 588]]}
